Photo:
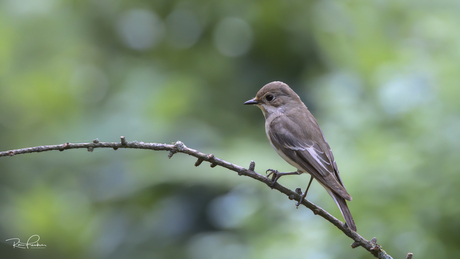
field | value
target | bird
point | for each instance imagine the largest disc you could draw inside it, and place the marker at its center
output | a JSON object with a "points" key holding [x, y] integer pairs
{"points": [[297, 138]]}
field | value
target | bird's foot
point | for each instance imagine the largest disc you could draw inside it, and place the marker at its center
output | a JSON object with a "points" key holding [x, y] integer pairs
{"points": [[277, 175], [302, 197]]}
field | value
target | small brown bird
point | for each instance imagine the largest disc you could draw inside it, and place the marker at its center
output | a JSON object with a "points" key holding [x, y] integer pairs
{"points": [[294, 133]]}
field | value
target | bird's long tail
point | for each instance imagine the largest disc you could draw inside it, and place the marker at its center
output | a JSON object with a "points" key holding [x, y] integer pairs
{"points": [[344, 210]]}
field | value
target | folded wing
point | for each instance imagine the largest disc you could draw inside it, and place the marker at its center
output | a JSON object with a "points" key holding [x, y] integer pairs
{"points": [[297, 144]]}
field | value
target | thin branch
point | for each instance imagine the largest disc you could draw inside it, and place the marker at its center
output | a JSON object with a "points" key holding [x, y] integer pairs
{"points": [[178, 147]]}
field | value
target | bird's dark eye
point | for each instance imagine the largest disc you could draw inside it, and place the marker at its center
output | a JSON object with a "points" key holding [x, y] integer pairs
{"points": [[269, 97]]}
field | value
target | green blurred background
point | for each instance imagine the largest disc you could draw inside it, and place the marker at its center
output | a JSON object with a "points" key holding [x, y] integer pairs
{"points": [[381, 77]]}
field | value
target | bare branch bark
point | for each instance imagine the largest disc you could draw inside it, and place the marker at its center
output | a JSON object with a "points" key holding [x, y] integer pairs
{"points": [[178, 147]]}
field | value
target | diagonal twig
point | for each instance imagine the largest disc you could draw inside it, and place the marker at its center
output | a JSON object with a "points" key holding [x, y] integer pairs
{"points": [[178, 147]]}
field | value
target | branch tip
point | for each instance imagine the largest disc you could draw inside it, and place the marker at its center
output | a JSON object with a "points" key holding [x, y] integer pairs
{"points": [[199, 161], [409, 256]]}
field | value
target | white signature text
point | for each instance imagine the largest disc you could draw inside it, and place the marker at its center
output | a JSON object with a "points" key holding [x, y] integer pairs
{"points": [[32, 243]]}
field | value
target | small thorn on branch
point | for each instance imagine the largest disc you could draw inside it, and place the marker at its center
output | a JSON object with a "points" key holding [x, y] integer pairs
{"points": [[178, 146], [123, 140], [409, 256], [11, 153], [90, 149], [355, 244], [95, 141], [211, 160], [252, 166], [375, 246], [199, 161], [171, 153], [115, 148]]}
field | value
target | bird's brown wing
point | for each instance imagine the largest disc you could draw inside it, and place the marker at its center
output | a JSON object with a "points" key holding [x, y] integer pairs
{"points": [[298, 146]]}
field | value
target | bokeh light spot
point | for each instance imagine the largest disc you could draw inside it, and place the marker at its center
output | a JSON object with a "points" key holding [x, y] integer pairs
{"points": [[185, 30], [140, 29], [233, 37], [404, 93]]}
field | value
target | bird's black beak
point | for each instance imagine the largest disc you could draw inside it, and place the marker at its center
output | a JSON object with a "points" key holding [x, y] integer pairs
{"points": [[252, 101]]}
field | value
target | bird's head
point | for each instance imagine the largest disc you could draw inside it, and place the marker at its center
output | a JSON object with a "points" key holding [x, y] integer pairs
{"points": [[275, 97]]}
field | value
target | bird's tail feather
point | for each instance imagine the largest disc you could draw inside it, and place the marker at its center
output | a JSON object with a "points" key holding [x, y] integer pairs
{"points": [[344, 210]]}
